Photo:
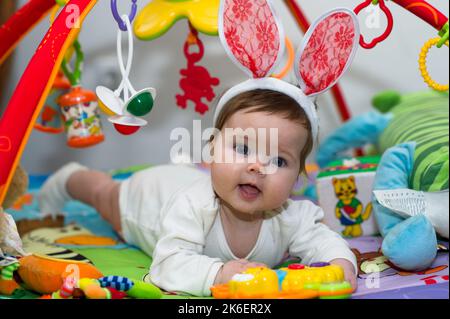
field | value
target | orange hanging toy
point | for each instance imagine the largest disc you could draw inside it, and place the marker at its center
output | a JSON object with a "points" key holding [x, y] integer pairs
{"points": [[79, 107], [81, 118]]}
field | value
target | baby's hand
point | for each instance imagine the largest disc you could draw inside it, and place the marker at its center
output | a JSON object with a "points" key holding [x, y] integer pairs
{"points": [[232, 268], [349, 271]]}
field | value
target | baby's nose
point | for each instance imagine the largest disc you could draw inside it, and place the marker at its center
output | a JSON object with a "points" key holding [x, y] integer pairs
{"points": [[256, 167]]}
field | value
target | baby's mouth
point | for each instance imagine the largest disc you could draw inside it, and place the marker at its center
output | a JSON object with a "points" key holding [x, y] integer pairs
{"points": [[248, 191]]}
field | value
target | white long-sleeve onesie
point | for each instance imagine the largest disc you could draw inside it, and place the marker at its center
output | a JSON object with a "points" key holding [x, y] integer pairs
{"points": [[171, 212]]}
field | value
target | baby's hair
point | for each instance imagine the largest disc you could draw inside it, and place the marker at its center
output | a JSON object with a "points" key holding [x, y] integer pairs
{"points": [[274, 103]]}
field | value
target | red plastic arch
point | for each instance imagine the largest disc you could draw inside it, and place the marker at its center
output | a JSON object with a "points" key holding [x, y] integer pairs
{"points": [[424, 11], [22, 21], [26, 103]]}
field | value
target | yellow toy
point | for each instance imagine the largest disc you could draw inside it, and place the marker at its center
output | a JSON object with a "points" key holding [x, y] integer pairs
{"points": [[423, 65], [160, 15], [297, 281]]}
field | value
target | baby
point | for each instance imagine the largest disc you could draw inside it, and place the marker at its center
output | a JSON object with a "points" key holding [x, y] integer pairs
{"points": [[203, 229]]}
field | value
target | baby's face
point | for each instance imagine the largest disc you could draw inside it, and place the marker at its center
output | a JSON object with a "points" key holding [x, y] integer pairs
{"points": [[257, 178]]}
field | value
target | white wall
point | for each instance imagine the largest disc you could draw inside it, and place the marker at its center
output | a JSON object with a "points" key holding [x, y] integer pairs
{"points": [[392, 65]]}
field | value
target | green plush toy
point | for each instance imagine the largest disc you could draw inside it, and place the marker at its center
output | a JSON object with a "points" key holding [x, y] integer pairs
{"points": [[411, 185]]}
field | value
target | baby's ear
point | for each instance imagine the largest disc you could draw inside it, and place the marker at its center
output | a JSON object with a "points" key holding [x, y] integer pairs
{"points": [[327, 50]]}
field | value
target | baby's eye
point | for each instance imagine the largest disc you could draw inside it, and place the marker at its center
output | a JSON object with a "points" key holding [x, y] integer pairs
{"points": [[279, 162], [241, 149]]}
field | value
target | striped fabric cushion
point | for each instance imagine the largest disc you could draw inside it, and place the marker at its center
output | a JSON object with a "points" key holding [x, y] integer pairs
{"points": [[423, 118]]}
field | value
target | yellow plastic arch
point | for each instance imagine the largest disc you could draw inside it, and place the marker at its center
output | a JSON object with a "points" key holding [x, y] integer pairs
{"points": [[160, 15], [423, 66]]}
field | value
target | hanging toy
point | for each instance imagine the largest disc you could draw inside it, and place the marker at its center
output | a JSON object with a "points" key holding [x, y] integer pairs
{"points": [[423, 65], [196, 83], [81, 118], [390, 23], [125, 113], [50, 118], [79, 108]]}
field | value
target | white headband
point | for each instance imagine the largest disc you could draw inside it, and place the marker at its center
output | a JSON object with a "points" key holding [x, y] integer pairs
{"points": [[278, 86], [253, 38]]}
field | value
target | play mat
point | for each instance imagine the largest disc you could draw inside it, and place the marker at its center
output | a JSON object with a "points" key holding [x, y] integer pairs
{"points": [[83, 235]]}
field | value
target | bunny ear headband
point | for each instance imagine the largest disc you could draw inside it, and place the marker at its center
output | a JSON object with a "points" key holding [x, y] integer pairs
{"points": [[254, 40]]}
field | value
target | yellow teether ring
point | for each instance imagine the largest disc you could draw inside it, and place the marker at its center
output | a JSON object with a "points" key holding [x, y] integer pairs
{"points": [[423, 66]]}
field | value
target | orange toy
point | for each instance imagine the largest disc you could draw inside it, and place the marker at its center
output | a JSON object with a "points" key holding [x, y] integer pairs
{"points": [[81, 118], [46, 275]]}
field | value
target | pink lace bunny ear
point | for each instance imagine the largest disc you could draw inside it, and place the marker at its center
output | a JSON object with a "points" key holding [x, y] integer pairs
{"points": [[251, 35], [327, 51]]}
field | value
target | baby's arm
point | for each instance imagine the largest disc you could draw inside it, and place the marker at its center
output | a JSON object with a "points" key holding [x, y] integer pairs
{"points": [[178, 261], [312, 241], [349, 271]]}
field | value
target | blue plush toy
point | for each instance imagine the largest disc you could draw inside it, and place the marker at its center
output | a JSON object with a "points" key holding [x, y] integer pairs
{"points": [[411, 185]]}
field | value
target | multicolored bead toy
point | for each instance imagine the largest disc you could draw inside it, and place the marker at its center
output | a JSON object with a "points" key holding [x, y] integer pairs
{"points": [[110, 287]]}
